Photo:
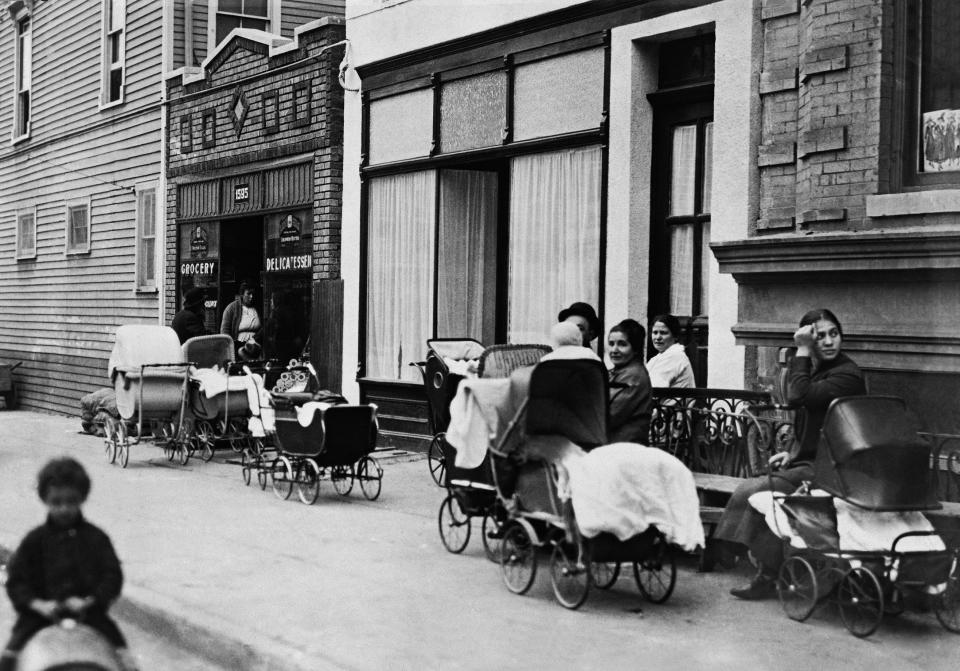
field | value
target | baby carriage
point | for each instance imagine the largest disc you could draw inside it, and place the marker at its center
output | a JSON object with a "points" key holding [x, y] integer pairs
{"points": [[315, 438], [864, 544], [68, 644], [149, 376], [470, 491], [221, 400], [568, 399], [440, 383]]}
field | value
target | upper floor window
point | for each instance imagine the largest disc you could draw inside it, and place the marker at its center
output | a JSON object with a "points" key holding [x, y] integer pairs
{"points": [[114, 50], [232, 14], [24, 68], [78, 228], [146, 239], [27, 234]]}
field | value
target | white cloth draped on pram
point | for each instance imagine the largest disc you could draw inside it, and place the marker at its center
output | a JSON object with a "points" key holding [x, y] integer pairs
{"points": [[858, 529]]}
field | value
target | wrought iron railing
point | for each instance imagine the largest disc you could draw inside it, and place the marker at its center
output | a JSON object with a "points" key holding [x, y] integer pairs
{"points": [[945, 456]]}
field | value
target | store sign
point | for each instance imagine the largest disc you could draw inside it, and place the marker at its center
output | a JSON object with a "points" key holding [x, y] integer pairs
{"points": [[290, 234], [198, 242], [281, 263], [241, 193], [198, 268]]}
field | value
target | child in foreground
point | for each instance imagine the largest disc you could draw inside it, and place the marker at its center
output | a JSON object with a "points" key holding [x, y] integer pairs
{"points": [[64, 568]]}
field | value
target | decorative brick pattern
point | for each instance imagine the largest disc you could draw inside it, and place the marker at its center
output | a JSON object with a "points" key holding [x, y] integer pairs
{"points": [[773, 9], [784, 79], [779, 153], [823, 139], [829, 59]]}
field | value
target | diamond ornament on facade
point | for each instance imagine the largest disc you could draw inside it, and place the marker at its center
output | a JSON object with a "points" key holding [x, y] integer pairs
{"points": [[239, 110]]}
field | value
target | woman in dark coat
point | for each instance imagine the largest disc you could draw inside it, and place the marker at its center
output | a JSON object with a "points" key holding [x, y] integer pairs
{"points": [[631, 402], [818, 374]]}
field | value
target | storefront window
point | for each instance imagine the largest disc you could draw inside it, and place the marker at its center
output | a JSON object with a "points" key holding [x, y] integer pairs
{"points": [[939, 87], [400, 241], [558, 95], [287, 276], [554, 238], [199, 247]]}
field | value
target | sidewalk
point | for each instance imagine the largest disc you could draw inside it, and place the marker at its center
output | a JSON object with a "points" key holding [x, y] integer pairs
{"points": [[248, 581]]}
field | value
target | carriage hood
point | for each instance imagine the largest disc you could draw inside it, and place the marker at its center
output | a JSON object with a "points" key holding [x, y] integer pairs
{"points": [[871, 456], [569, 397], [138, 344]]}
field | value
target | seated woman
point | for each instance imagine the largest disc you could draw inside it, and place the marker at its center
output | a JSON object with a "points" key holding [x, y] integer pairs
{"points": [[671, 367], [818, 374], [630, 399]]}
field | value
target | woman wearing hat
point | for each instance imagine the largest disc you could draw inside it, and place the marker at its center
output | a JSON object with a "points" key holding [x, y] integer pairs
{"points": [[584, 317], [189, 321]]}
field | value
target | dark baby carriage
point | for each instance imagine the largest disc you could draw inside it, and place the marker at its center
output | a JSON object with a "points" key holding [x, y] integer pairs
{"points": [[567, 398], [878, 475], [440, 385]]}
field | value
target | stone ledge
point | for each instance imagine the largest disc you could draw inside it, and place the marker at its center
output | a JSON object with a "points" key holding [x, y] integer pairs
{"points": [[782, 79], [819, 61], [823, 214], [945, 201], [776, 153], [823, 139]]}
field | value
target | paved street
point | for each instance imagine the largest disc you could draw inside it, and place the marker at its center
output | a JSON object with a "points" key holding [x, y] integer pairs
{"points": [[232, 575]]}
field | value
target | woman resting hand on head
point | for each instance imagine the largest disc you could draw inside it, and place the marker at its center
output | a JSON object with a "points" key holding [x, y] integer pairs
{"points": [[671, 367], [819, 373], [631, 401]]}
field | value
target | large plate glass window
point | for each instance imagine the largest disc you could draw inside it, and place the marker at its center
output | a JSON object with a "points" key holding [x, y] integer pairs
{"points": [[401, 126], [554, 238], [472, 112], [400, 242]]}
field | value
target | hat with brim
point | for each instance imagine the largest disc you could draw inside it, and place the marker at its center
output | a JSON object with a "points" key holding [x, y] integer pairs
{"points": [[194, 297], [584, 310]]}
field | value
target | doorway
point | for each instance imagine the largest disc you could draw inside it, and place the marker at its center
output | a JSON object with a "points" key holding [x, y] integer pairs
{"points": [[241, 260]]}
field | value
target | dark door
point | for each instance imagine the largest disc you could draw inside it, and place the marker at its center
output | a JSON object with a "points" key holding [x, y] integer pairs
{"points": [[241, 259]]}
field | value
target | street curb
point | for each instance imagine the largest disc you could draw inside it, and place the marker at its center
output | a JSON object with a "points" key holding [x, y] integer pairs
{"points": [[213, 646]]}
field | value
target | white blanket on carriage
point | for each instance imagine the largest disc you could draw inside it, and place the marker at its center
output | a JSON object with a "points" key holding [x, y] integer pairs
{"points": [[623, 488], [479, 411], [214, 381], [858, 529]]}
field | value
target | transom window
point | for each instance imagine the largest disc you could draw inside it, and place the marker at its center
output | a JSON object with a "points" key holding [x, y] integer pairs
{"points": [[241, 14]]}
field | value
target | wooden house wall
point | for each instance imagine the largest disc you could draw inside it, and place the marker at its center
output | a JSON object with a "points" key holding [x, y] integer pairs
{"points": [[59, 313], [295, 13]]}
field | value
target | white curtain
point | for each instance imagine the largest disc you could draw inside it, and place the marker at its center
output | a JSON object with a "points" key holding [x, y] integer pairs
{"points": [[707, 167], [554, 238], [683, 170], [681, 269], [466, 277], [400, 233]]}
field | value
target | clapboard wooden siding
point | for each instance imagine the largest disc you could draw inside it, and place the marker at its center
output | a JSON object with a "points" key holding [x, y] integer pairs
{"points": [[59, 313], [294, 13]]}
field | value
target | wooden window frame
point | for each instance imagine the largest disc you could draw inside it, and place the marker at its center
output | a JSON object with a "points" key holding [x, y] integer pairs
{"points": [[113, 35], [213, 11], [150, 284], [22, 96], [29, 254], [69, 248]]}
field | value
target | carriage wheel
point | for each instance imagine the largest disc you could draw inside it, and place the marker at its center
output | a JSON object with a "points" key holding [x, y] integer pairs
{"points": [[604, 574], [183, 451], [797, 588], [342, 478], [370, 476], [491, 532], [308, 482], [256, 447], [245, 467], [657, 575], [238, 439], [570, 578], [861, 601], [123, 444], [438, 465], [262, 477], [204, 440], [454, 525], [518, 559], [281, 476], [110, 440], [947, 606]]}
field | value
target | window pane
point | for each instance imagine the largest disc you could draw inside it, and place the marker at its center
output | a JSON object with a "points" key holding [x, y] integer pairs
{"points": [[26, 240], [940, 81], [26, 56], [256, 24], [681, 269], [235, 6], [472, 112], [706, 256], [401, 126], [147, 214], [225, 24], [683, 168], [558, 95], [466, 280], [148, 271], [118, 10], [77, 228], [707, 167], [554, 238], [400, 239], [257, 7]]}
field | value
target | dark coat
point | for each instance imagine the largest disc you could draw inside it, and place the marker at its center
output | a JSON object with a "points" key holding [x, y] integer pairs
{"points": [[188, 323], [55, 562], [631, 404]]}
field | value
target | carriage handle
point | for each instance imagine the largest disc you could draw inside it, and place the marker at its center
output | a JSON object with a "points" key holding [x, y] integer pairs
{"points": [[907, 534]]}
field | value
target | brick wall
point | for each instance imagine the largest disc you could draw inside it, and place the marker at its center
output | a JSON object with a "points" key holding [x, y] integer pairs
{"points": [[272, 88], [820, 100]]}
